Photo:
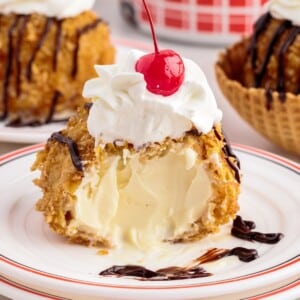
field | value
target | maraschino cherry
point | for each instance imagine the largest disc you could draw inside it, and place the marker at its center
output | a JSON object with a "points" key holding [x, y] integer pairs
{"points": [[163, 70]]}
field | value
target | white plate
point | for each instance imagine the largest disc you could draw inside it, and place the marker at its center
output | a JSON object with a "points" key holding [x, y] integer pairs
{"points": [[39, 134], [35, 257]]}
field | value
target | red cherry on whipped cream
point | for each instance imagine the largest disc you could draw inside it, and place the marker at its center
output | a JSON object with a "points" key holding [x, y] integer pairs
{"points": [[163, 70]]}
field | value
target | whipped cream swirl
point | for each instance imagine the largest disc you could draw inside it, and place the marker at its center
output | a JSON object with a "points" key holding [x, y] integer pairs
{"points": [[285, 9], [124, 110], [50, 8]]}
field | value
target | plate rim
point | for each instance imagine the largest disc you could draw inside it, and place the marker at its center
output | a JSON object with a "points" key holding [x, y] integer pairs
{"points": [[24, 135], [269, 292], [265, 155]]}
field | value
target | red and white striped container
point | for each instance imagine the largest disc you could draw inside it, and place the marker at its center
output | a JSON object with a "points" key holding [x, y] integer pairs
{"points": [[208, 21]]}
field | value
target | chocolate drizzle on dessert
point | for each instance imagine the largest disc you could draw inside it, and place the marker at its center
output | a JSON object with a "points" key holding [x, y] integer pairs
{"points": [[269, 97], [298, 89], [88, 105], [18, 51], [194, 132], [54, 101], [8, 67], [39, 45], [229, 155], [19, 26], [79, 34], [280, 81], [57, 45], [243, 229], [259, 74], [194, 270], [258, 29], [74, 152], [277, 34]]}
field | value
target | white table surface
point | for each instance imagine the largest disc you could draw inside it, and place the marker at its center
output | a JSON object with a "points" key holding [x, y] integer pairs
{"points": [[205, 55]]}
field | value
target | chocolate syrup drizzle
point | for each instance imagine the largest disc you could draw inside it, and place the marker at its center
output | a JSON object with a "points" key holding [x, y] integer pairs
{"points": [[39, 45], [8, 68], [243, 229], [277, 34], [259, 74], [194, 270], [20, 24], [269, 98], [280, 81], [19, 123], [88, 105], [141, 273], [58, 38], [54, 102], [79, 34], [21, 31], [74, 152], [229, 154], [298, 89], [258, 29]]}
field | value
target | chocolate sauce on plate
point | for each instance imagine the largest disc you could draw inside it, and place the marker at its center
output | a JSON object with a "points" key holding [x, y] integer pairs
{"points": [[194, 270], [243, 229]]}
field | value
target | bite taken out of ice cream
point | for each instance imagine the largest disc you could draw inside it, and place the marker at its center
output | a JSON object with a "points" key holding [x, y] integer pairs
{"points": [[141, 166]]}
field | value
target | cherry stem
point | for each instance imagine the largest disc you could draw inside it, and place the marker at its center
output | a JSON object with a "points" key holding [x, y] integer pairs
{"points": [[152, 27]]}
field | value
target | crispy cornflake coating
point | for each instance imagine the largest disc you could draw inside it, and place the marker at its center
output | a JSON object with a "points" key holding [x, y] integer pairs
{"points": [[275, 115], [30, 91], [59, 178]]}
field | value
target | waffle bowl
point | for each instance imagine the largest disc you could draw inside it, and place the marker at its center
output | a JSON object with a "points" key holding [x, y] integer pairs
{"points": [[276, 120]]}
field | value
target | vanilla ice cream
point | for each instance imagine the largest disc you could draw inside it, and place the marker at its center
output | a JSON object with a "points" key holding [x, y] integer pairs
{"points": [[142, 201]]}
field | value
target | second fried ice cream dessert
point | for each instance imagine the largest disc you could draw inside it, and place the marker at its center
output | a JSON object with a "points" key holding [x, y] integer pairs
{"points": [[47, 51], [137, 167], [260, 75]]}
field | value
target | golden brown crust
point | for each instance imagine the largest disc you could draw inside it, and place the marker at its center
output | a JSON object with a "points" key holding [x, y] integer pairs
{"points": [[36, 94], [59, 178]]}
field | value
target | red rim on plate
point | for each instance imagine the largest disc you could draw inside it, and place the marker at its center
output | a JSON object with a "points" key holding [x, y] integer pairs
{"points": [[246, 149]]}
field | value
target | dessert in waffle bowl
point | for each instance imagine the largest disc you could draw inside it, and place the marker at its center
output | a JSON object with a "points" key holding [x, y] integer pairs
{"points": [[48, 50], [260, 75], [146, 162]]}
